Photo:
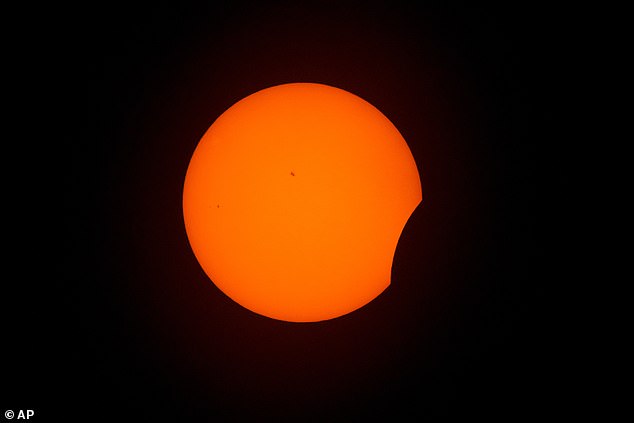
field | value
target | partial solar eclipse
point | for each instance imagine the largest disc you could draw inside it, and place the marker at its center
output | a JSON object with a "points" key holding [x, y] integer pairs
{"points": [[294, 201]]}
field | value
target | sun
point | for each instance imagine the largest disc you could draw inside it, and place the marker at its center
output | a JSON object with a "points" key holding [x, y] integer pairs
{"points": [[295, 198]]}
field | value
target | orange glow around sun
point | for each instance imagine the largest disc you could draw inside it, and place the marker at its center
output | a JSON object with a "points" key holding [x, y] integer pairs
{"points": [[294, 201]]}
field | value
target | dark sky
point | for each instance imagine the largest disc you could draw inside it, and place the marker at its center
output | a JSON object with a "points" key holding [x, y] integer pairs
{"points": [[123, 323]]}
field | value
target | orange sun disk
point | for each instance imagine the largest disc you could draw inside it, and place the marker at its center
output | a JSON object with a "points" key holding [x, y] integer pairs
{"points": [[294, 201]]}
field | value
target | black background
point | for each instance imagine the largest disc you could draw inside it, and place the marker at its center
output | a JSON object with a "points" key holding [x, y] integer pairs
{"points": [[114, 318]]}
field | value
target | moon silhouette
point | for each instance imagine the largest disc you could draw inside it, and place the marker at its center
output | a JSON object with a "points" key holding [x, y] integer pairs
{"points": [[295, 198]]}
